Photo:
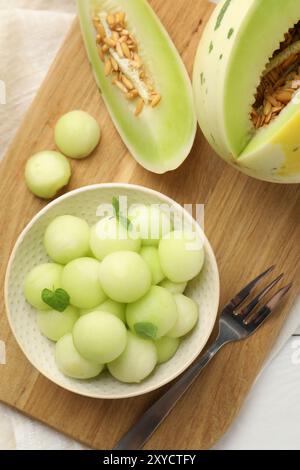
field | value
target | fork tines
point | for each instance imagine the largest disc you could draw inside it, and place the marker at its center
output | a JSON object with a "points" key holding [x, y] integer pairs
{"points": [[250, 315]]}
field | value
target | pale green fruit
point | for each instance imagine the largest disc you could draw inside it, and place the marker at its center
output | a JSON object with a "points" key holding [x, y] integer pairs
{"points": [[109, 306], [109, 236], [77, 134], [46, 173], [67, 238], [181, 256], [157, 309], [71, 364], [100, 337], [160, 138], [173, 287], [80, 279], [124, 276], [44, 276], [136, 362], [151, 257], [149, 223], [54, 325], [188, 315], [234, 53], [166, 348]]}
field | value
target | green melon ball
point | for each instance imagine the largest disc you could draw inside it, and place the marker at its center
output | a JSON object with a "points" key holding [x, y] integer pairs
{"points": [[100, 337], [188, 315], [109, 306], [150, 223], [67, 238], [166, 348], [77, 134], [151, 257], [109, 236], [44, 276], [181, 256], [156, 312], [80, 279], [136, 362], [54, 325], [71, 364], [46, 173], [174, 287], [124, 276]]}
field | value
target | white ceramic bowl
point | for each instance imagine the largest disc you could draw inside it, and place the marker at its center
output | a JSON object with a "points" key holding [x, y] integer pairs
{"points": [[29, 252]]}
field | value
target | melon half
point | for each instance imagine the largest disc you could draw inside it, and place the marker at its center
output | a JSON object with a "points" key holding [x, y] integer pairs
{"points": [[249, 54]]}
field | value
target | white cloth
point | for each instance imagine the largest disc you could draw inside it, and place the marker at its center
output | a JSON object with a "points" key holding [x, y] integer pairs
{"points": [[31, 32]]}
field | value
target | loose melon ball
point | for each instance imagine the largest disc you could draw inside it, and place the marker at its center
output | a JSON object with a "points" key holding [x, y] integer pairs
{"points": [[136, 362], [154, 314], [124, 276], [150, 223], [174, 287], [181, 256], [109, 306], [44, 276], [166, 348], [109, 236], [188, 314], [67, 238], [77, 134], [151, 257], [80, 279], [54, 325], [100, 337], [46, 173], [71, 364]]}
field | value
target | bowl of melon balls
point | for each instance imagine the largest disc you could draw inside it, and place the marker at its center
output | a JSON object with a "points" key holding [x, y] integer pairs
{"points": [[112, 291]]}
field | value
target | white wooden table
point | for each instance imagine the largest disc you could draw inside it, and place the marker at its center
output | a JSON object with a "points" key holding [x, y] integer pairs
{"points": [[30, 34]]}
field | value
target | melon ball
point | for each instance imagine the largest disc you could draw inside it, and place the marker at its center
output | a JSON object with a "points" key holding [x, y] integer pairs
{"points": [[150, 223], [181, 256], [77, 134], [71, 364], [54, 325], [100, 337], [166, 348], [109, 236], [46, 173], [156, 312], [44, 276], [136, 362], [109, 306], [67, 238], [151, 257], [174, 287], [188, 315], [80, 279], [124, 276]]}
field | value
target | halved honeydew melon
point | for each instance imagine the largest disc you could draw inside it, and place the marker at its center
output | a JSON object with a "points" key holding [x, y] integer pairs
{"points": [[233, 55], [159, 138]]}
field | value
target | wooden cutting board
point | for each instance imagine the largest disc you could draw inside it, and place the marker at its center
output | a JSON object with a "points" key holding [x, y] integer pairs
{"points": [[251, 225]]}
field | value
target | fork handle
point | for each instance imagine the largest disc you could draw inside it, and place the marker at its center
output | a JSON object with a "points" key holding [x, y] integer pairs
{"points": [[141, 432]]}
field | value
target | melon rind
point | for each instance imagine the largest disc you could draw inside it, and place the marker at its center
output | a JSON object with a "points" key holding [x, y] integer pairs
{"points": [[160, 138], [235, 48]]}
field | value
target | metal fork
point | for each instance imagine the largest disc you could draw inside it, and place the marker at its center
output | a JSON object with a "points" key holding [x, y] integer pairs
{"points": [[235, 324]]}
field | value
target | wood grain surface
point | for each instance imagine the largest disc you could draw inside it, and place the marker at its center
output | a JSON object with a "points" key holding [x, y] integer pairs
{"points": [[251, 225]]}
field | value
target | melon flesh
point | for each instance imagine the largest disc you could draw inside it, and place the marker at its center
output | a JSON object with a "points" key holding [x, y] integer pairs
{"points": [[235, 49], [159, 138]]}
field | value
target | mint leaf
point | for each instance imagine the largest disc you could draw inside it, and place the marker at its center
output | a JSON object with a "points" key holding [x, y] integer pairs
{"points": [[121, 219], [58, 300], [146, 330]]}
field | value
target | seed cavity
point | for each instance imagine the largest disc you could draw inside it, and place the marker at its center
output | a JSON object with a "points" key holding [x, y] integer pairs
{"points": [[118, 50], [280, 81]]}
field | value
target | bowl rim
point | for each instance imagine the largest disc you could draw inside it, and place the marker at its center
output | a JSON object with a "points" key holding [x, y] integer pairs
{"points": [[118, 186]]}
